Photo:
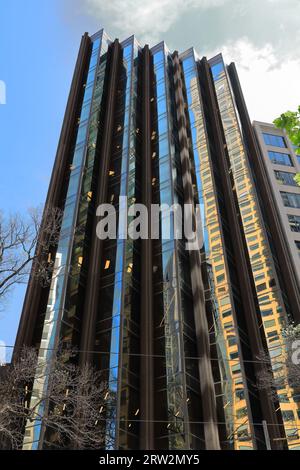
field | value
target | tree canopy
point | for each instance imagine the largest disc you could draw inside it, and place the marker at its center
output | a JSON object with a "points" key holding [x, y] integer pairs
{"points": [[290, 122]]}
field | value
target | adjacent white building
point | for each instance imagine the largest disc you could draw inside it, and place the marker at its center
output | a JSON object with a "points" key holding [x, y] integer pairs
{"points": [[282, 164]]}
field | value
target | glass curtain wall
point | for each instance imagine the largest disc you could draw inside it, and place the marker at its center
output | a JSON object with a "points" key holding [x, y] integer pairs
{"points": [[272, 304], [62, 320], [177, 399], [232, 385], [117, 329]]}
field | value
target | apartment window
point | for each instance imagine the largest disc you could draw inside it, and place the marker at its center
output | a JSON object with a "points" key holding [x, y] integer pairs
{"points": [[283, 177], [274, 140], [279, 158], [294, 221], [298, 246], [291, 199]]}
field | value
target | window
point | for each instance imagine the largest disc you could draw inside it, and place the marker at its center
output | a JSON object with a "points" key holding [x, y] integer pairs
{"points": [[283, 398], [272, 336], [296, 398], [220, 278], [234, 355], [261, 287], [266, 313], [279, 158], [288, 415], [107, 264], [226, 314], [298, 246], [274, 140], [241, 413], [231, 341], [283, 177], [240, 394], [236, 369], [269, 323], [294, 221], [291, 199]]}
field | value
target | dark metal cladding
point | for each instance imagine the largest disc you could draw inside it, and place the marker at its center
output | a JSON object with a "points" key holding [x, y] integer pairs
{"points": [[92, 290], [202, 335], [147, 412]]}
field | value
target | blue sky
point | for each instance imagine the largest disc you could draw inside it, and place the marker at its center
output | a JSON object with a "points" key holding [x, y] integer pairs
{"points": [[39, 41], [36, 61]]}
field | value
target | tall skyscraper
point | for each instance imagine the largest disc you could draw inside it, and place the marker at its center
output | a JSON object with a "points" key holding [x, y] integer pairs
{"points": [[177, 334], [282, 164]]}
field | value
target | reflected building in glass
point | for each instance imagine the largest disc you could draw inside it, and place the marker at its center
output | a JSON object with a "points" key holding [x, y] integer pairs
{"points": [[177, 335]]}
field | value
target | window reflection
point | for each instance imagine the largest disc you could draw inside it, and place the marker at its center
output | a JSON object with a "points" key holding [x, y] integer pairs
{"points": [[271, 301]]}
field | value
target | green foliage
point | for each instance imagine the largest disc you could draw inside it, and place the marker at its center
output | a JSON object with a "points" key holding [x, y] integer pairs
{"points": [[297, 179], [290, 121]]}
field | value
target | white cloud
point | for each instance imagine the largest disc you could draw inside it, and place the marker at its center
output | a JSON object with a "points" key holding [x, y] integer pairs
{"points": [[268, 65], [270, 87], [147, 19]]}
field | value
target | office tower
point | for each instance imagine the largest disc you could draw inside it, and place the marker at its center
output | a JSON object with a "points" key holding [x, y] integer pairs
{"points": [[176, 333], [282, 164]]}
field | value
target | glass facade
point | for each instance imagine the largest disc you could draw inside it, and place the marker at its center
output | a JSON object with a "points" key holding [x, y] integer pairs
{"points": [[176, 378], [112, 97], [231, 382], [63, 316], [264, 265], [117, 328]]}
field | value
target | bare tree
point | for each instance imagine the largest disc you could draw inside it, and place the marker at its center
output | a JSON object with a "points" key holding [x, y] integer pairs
{"points": [[283, 370], [23, 243], [73, 410]]}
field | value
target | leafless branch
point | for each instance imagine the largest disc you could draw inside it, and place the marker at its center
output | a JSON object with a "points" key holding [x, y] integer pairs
{"points": [[74, 409], [282, 372], [26, 244]]}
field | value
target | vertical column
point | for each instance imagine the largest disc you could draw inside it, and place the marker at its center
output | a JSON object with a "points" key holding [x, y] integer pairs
{"points": [[146, 372], [177, 385], [201, 325], [56, 314], [92, 290]]}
